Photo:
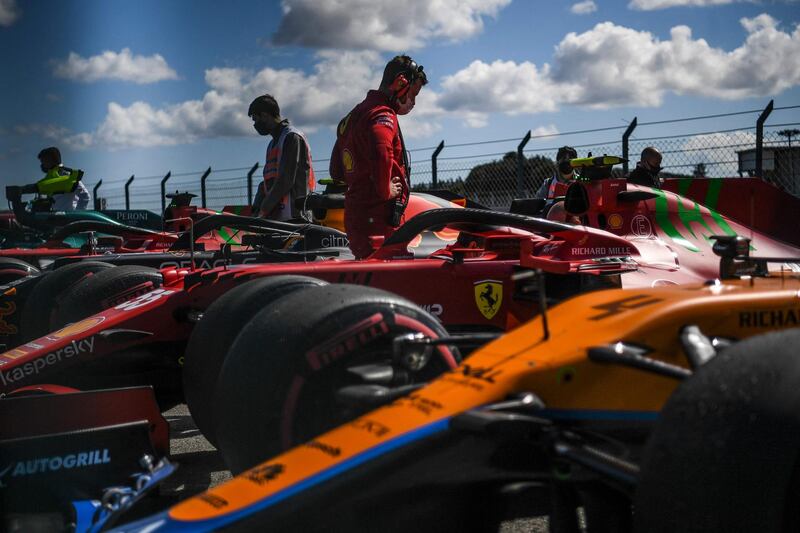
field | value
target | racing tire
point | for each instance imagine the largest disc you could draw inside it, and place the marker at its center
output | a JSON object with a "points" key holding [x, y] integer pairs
{"points": [[215, 333], [12, 269], [103, 290], [44, 301], [725, 453], [277, 386]]}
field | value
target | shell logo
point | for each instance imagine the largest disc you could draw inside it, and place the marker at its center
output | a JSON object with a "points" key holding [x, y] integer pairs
{"points": [[615, 221], [347, 161], [77, 327]]}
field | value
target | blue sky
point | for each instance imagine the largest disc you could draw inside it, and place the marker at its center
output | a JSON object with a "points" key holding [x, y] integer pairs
{"points": [[148, 86]]}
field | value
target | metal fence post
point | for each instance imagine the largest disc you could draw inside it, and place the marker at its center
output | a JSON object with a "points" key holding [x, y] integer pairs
{"points": [[434, 169], [760, 139], [521, 166], [128, 192], [164, 191], [625, 137], [250, 184], [203, 185], [94, 195]]}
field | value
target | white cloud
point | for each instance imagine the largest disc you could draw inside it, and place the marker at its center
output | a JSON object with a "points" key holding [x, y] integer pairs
{"points": [[606, 66], [505, 86], [381, 24], [9, 12], [115, 66], [584, 8], [310, 101], [612, 65], [542, 131], [651, 5]]}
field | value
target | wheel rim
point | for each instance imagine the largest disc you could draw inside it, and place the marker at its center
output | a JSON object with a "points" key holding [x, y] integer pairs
{"points": [[310, 407]]}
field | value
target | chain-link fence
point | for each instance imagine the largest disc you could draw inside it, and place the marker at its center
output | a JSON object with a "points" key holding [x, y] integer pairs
{"points": [[495, 177], [782, 158]]}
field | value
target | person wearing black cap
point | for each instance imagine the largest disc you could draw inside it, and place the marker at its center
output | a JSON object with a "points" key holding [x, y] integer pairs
{"points": [[563, 174], [288, 172], [370, 156]]}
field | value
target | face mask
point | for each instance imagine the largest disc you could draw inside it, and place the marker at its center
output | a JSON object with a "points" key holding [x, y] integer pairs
{"points": [[263, 128], [404, 108]]}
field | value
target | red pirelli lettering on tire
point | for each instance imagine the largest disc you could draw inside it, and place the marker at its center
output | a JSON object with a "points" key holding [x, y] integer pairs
{"points": [[345, 342]]}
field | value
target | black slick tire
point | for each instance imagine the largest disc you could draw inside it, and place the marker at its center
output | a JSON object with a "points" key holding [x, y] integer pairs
{"points": [[103, 290], [215, 333], [724, 455], [278, 383], [44, 300]]}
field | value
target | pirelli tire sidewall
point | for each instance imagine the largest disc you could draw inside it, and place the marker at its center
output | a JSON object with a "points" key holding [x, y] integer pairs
{"points": [[725, 453], [103, 290], [44, 301], [217, 330], [278, 382]]}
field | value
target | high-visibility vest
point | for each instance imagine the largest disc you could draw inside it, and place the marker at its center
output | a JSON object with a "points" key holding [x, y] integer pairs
{"points": [[556, 188], [59, 180], [273, 165]]}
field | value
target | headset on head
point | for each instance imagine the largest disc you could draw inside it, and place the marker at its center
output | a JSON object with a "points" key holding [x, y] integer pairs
{"points": [[405, 79]]}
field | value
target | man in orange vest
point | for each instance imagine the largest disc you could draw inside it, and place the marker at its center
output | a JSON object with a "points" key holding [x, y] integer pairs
{"points": [[288, 173], [564, 174], [370, 156]]}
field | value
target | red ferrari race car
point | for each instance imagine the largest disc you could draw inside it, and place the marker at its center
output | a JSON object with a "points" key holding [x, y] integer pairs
{"points": [[222, 328], [27, 304]]}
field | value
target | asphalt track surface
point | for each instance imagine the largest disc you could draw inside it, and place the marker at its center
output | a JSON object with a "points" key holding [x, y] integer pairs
{"points": [[201, 467]]}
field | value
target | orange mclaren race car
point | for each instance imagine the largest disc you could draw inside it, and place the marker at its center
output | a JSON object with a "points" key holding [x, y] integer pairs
{"points": [[657, 409]]}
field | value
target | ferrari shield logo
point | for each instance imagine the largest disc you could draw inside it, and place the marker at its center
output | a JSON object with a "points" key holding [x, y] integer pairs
{"points": [[489, 297]]}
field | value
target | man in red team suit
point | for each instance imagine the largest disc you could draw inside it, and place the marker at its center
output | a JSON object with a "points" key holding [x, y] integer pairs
{"points": [[370, 156]]}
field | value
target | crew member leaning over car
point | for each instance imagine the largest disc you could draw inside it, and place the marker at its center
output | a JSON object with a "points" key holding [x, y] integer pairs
{"points": [[288, 173], [370, 156], [647, 169]]}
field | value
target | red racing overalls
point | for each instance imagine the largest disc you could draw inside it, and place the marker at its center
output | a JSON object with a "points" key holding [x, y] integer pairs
{"points": [[369, 151]]}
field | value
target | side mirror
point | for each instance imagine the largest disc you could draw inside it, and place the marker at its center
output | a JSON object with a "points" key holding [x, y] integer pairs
{"points": [[734, 253], [731, 246]]}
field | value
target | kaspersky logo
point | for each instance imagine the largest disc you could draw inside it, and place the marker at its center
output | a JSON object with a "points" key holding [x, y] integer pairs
{"points": [[46, 465], [75, 348]]}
